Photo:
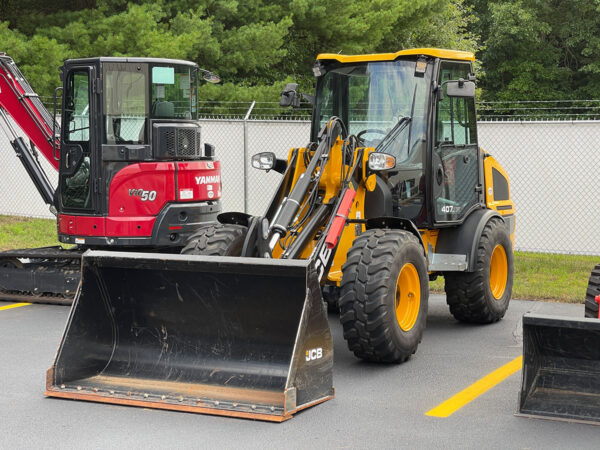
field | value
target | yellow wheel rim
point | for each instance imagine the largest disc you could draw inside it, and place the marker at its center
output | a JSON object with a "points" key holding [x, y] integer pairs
{"points": [[498, 272], [408, 297]]}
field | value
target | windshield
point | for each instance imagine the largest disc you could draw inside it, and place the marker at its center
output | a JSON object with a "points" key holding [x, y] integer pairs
{"points": [[371, 99], [385, 104]]}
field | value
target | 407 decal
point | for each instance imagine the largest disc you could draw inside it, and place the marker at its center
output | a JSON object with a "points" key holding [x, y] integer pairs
{"points": [[450, 209], [145, 196]]}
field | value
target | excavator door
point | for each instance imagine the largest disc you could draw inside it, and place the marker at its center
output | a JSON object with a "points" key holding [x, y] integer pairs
{"points": [[76, 167]]}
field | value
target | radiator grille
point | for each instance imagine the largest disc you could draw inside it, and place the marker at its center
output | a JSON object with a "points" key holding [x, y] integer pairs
{"points": [[177, 141]]}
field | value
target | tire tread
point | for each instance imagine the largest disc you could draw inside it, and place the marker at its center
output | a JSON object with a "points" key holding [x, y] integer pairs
{"points": [[214, 240], [466, 291], [363, 310], [593, 289]]}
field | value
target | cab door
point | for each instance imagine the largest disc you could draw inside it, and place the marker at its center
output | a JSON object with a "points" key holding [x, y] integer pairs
{"points": [[456, 185], [77, 142]]}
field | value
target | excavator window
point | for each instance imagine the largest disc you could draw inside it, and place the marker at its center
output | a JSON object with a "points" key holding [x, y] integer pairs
{"points": [[126, 103], [75, 160], [174, 92], [77, 108]]}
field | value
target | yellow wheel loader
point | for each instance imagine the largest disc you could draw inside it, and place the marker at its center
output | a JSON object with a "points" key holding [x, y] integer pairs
{"points": [[392, 191]]}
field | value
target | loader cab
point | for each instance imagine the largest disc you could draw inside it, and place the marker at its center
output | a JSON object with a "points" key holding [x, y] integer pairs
{"points": [[394, 103], [119, 111]]}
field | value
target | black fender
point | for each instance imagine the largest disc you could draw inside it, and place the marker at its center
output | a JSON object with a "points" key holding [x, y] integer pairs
{"points": [[234, 218], [464, 239], [378, 202], [396, 223]]}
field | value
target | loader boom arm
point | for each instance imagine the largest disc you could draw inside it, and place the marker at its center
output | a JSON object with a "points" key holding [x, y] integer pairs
{"points": [[305, 218]]}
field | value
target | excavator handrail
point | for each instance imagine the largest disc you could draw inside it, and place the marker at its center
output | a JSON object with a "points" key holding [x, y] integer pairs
{"points": [[24, 106]]}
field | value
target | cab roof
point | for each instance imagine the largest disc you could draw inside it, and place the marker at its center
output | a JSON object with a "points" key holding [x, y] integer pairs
{"points": [[123, 59], [434, 52]]}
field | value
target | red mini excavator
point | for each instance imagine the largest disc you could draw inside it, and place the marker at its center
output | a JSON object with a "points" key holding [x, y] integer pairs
{"points": [[132, 172]]}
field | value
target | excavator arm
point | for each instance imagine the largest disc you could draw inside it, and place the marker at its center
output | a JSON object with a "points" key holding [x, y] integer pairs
{"points": [[19, 102]]}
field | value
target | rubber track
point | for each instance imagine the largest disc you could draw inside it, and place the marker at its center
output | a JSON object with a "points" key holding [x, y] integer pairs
{"points": [[366, 329], [465, 291], [29, 298], [593, 289], [213, 240]]}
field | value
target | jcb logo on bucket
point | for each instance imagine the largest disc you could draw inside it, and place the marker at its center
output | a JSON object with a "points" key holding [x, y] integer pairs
{"points": [[314, 353]]}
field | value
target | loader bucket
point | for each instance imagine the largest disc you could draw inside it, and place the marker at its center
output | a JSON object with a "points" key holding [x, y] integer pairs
{"points": [[561, 368], [245, 337]]}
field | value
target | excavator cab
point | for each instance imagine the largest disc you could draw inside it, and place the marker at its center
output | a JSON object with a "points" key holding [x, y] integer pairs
{"points": [[129, 137], [391, 191]]}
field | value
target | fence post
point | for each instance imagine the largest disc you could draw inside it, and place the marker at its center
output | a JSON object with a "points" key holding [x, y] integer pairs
{"points": [[246, 161]]}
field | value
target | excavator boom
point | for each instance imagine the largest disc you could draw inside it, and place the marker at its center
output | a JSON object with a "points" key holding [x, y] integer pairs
{"points": [[21, 102]]}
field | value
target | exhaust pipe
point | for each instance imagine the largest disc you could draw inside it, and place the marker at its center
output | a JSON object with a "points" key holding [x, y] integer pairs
{"points": [[561, 368], [244, 337]]}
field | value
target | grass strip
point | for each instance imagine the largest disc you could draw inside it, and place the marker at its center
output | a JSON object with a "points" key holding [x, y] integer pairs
{"points": [[22, 232], [547, 276], [541, 276]]}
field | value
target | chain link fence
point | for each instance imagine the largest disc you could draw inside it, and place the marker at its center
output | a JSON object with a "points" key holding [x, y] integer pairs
{"points": [[554, 166]]}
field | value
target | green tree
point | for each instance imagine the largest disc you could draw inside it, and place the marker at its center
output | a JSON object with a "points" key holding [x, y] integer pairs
{"points": [[539, 50], [255, 46]]}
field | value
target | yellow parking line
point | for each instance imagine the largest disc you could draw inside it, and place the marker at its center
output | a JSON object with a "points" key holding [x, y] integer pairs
{"points": [[465, 396], [14, 305]]}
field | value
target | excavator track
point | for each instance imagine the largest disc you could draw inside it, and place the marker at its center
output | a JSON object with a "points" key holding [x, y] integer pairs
{"points": [[31, 298], [40, 275]]}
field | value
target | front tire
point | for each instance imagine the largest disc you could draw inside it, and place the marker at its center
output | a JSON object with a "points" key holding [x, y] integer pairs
{"points": [[217, 240], [483, 296], [384, 294], [593, 290]]}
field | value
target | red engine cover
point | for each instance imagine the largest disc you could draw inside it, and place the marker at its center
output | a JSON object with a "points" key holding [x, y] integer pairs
{"points": [[198, 181], [140, 191]]}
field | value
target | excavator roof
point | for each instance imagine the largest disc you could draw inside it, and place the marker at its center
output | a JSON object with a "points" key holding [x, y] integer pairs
{"points": [[434, 52], [122, 59]]}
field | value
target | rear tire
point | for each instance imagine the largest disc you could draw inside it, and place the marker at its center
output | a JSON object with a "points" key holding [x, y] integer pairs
{"points": [[384, 293], [483, 296], [593, 290], [217, 240]]}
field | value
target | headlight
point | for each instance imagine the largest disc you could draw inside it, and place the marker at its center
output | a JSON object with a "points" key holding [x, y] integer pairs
{"points": [[381, 161]]}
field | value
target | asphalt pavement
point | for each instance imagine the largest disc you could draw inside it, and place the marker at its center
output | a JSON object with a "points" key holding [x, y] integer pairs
{"points": [[376, 406]]}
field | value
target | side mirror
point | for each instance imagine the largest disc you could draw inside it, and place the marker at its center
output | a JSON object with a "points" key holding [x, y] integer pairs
{"points": [[290, 96], [460, 88], [267, 161], [264, 160], [209, 150], [211, 78]]}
